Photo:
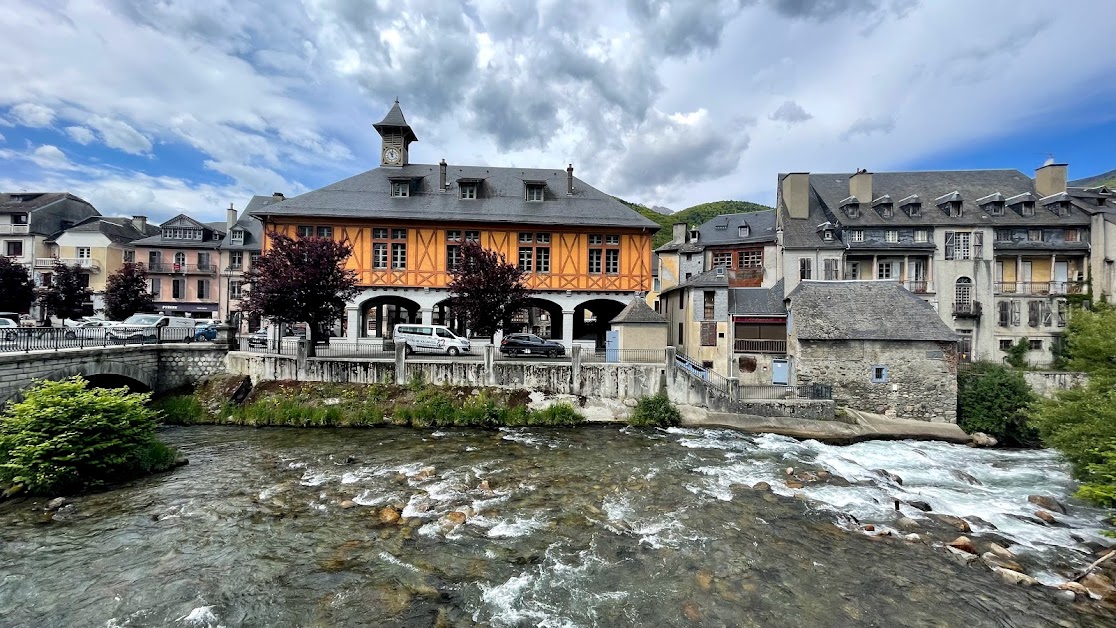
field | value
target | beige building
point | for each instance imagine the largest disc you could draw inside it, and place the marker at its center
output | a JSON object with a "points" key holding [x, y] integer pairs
{"points": [[637, 326], [99, 245], [240, 249]]}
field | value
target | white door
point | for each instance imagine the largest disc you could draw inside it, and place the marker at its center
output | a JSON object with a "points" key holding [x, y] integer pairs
{"points": [[1025, 278], [1061, 276]]}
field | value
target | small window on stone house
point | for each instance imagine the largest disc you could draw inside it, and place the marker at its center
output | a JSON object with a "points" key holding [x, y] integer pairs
{"points": [[879, 374], [743, 231], [1005, 344], [709, 305], [1035, 345]]}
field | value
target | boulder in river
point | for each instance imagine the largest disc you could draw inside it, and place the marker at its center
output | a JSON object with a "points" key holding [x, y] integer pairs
{"points": [[921, 505], [1075, 587], [980, 439], [761, 486], [993, 560], [456, 517], [1014, 577], [56, 503], [884, 473], [1047, 502], [960, 556], [347, 504], [1046, 517], [956, 522], [1001, 551], [906, 524], [1098, 585], [964, 544], [965, 477], [794, 484], [389, 515]]}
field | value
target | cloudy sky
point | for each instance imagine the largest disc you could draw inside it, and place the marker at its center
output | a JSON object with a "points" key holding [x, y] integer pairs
{"points": [[164, 106]]}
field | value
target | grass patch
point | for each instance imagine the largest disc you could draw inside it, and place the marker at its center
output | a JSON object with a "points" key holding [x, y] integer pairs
{"points": [[655, 411]]}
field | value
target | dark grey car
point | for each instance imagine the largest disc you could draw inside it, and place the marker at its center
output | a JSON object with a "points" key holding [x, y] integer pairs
{"points": [[530, 344]]}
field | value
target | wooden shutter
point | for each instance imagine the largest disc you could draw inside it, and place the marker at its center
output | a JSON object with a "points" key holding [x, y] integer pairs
{"points": [[1047, 318], [950, 244], [1004, 313], [1034, 313], [978, 244], [709, 334], [1016, 316]]}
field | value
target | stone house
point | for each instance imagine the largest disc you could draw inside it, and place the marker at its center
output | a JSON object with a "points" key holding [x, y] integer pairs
{"points": [[639, 327], [881, 347]]}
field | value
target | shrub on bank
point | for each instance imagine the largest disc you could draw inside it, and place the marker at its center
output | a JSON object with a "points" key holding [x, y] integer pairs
{"points": [[655, 411], [67, 438], [994, 399]]}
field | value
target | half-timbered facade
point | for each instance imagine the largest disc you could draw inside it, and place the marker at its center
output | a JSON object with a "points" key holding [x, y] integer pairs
{"points": [[585, 254]]}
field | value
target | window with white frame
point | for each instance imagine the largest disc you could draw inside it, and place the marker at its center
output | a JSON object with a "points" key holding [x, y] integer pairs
{"points": [[234, 289], [750, 259], [891, 235], [400, 189], [921, 236], [468, 190], [236, 260], [535, 191], [238, 236], [856, 235]]}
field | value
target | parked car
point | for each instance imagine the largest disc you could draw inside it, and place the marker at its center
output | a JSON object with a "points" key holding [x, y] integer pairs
{"points": [[530, 344], [151, 328], [434, 338], [205, 330], [258, 338], [9, 329], [93, 329]]}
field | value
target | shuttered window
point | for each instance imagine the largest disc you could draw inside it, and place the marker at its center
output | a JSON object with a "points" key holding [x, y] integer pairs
{"points": [[709, 334]]}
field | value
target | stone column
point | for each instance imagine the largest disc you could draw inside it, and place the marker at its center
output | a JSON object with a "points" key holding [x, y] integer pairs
{"points": [[1019, 273], [575, 370], [567, 328], [733, 388], [352, 324], [427, 315], [489, 365], [401, 363]]}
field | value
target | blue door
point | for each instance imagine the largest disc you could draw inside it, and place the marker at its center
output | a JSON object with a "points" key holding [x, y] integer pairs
{"points": [[612, 346], [780, 372]]}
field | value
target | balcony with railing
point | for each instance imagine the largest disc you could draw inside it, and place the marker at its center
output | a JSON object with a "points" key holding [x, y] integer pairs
{"points": [[918, 287], [1041, 288], [14, 229], [746, 345], [182, 269], [967, 310], [84, 263]]}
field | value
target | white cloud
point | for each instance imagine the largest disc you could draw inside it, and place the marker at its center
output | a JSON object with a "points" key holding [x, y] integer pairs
{"points": [[120, 135], [32, 115], [50, 157], [791, 113], [2, 137], [81, 135]]}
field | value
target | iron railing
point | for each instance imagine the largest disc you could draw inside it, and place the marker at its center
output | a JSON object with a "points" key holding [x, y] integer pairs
{"points": [[1040, 287], [638, 356], [917, 287], [971, 309], [183, 269], [800, 391], [744, 345], [54, 338]]}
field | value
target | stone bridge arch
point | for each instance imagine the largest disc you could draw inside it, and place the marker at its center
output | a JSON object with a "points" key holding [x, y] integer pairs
{"points": [[109, 373]]}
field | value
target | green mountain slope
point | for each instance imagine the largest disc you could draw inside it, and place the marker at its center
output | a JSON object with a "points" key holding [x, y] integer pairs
{"points": [[1108, 179], [692, 216]]}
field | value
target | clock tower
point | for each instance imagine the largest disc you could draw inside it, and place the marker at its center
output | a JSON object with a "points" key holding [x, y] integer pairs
{"points": [[396, 136]]}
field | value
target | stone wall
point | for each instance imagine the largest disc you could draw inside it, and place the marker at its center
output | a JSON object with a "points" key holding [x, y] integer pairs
{"points": [[921, 376], [1046, 383], [185, 365], [685, 389]]}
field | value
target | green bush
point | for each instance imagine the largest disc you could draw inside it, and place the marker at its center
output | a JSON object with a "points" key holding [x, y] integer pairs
{"points": [[179, 409], [66, 438], [655, 411], [557, 415], [994, 399], [1017, 353]]}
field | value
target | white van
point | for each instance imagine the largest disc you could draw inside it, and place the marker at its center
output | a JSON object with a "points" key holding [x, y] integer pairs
{"points": [[152, 328], [433, 338]]}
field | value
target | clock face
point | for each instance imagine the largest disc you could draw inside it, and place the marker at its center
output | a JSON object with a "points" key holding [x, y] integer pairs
{"points": [[391, 155]]}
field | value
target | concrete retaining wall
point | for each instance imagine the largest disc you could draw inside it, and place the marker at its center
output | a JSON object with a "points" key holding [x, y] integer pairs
{"points": [[1046, 383]]}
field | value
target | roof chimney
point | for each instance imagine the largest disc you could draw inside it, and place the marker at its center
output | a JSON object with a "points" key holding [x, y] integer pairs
{"points": [[1050, 178], [442, 176], [679, 232], [794, 191], [230, 217], [860, 186], [569, 181], [140, 223], [278, 196]]}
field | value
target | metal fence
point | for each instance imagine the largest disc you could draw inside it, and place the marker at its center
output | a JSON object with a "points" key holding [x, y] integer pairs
{"points": [[54, 338], [801, 391], [638, 356]]}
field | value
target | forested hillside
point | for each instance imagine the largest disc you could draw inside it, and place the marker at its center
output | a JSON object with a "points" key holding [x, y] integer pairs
{"points": [[692, 216]]}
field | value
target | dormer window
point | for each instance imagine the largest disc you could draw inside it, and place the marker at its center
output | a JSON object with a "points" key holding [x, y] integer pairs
{"points": [[887, 211], [884, 206], [950, 204], [827, 235], [400, 189], [238, 236], [912, 206], [181, 233], [743, 231], [693, 235], [468, 191], [993, 204], [856, 235], [1028, 209], [851, 206], [996, 208], [535, 191], [1060, 208]]}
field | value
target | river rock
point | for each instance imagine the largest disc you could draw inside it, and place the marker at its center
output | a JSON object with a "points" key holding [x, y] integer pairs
{"points": [[56, 503], [1075, 587], [1066, 596], [869, 528], [823, 475], [961, 556], [347, 504], [912, 538], [1046, 517], [921, 505], [389, 515], [425, 473], [1001, 551], [965, 477], [992, 560], [761, 486], [889, 475], [1098, 585], [456, 517], [980, 523], [794, 484], [956, 522], [906, 524], [704, 579], [691, 611], [980, 439], [964, 544], [1047, 502], [1014, 577], [789, 471]]}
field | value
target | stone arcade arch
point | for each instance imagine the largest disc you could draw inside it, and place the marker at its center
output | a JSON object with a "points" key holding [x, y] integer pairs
{"points": [[379, 315], [590, 321]]}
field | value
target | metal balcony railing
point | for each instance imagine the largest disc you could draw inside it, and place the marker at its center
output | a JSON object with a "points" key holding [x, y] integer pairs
{"points": [[84, 263], [182, 269], [917, 287], [1040, 287], [744, 345], [967, 310]]}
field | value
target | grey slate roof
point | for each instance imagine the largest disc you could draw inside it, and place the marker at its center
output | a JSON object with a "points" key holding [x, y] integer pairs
{"points": [[213, 232], [708, 279], [50, 212], [827, 191], [638, 313], [253, 228], [863, 310], [117, 229], [394, 118], [758, 301], [724, 230], [501, 199]]}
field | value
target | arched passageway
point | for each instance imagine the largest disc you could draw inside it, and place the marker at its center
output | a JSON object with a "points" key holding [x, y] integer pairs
{"points": [[591, 319], [379, 315], [541, 317]]}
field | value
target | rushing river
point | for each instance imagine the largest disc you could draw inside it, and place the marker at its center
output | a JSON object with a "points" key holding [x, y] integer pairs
{"points": [[587, 527]]}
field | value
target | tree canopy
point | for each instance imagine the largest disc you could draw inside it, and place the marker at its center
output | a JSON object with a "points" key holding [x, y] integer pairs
{"points": [[692, 216], [68, 294], [126, 293], [486, 289], [303, 280], [16, 289]]}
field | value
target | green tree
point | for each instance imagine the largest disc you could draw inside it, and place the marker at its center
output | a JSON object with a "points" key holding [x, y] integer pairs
{"points": [[486, 289], [655, 411], [126, 293], [692, 216], [994, 399], [65, 437], [68, 294], [1017, 353], [1081, 422], [16, 290], [303, 280]]}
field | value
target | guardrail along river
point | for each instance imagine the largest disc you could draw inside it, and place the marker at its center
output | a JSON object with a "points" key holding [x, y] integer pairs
{"points": [[587, 527]]}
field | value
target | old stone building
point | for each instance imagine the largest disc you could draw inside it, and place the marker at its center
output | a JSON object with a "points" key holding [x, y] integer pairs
{"points": [[881, 347]]}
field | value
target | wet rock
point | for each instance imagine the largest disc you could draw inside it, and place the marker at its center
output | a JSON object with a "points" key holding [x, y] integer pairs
{"points": [[912, 538], [389, 515], [965, 477], [56, 503], [1066, 596], [789, 471], [1047, 502], [457, 517], [992, 560], [956, 522], [921, 505], [704, 579], [425, 473], [181, 461], [761, 486], [888, 475], [980, 523], [770, 498], [906, 524], [350, 459], [691, 611], [1075, 587], [980, 439], [1098, 585], [794, 484], [1001, 551], [1014, 577], [869, 528], [823, 475], [484, 486], [964, 544], [961, 556], [1046, 517], [1026, 519], [347, 504]]}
